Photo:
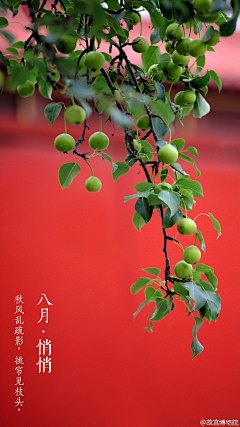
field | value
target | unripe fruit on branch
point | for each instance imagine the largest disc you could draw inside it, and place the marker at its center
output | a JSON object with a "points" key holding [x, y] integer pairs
{"points": [[183, 270], [178, 99], [214, 39], [93, 184], [174, 32], [208, 18], [137, 144], [75, 115], [203, 6], [187, 227], [140, 44], [191, 254], [173, 71], [182, 45], [26, 89], [168, 154], [94, 60], [64, 142], [169, 47], [181, 60], [66, 44], [134, 18], [154, 73], [197, 48], [188, 97], [143, 123], [98, 141]]}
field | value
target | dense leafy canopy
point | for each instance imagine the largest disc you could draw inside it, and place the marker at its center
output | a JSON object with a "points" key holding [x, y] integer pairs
{"points": [[78, 48]]}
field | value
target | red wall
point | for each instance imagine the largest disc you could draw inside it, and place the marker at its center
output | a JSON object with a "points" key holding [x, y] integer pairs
{"points": [[83, 252]]}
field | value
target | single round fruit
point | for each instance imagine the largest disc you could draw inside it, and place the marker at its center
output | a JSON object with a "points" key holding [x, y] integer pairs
{"points": [[168, 154], [208, 18], [187, 227], [64, 142], [191, 254], [183, 270], [154, 73], [173, 71], [140, 44], [93, 184], [66, 44], [169, 47], [197, 48], [98, 141], [143, 123], [137, 144], [214, 39], [182, 45], [75, 115], [203, 6], [179, 59], [94, 60], [26, 89], [174, 32], [134, 18], [178, 99], [188, 97]]}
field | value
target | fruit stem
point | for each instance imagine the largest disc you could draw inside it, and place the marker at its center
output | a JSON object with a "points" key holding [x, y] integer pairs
{"points": [[140, 27], [90, 167], [65, 125], [195, 241], [100, 122], [200, 215]]}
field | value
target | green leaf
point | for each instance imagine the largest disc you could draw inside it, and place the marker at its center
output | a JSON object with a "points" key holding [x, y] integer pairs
{"points": [[45, 88], [152, 270], [169, 220], [150, 57], [143, 186], [138, 221], [164, 59], [203, 268], [228, 28], [143, 209], [216, 225], [120, 118], [196, 347], [202, 81], [180, 289], [190, 160], [154, 37], [19, 75], [204, 285], [171, 199], [140, 284], [216, 79], [139, 308], [13, 51], [161, 310], [163, 174], [212, 278], [52, 111], [187, 197], [4, 60], [109, 159], [117, 27], [177, 167], [201, 240], [18, 45], [192, 185], [201, 107], [137, 195], [193, 151], [67, 173], [3, 23], [200, 64], [122, 169], [160, 90], [208, 33], [179, 142]]}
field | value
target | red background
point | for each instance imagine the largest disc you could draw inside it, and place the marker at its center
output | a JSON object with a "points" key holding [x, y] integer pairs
{"points": [[83, 252]]}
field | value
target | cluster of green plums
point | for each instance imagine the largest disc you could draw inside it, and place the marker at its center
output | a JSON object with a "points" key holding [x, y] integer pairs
{"points": [[191, 255]]}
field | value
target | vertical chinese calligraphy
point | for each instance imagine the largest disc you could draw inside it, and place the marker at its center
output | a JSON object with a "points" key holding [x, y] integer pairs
{"points": [[19, 322], [44, 347]]}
